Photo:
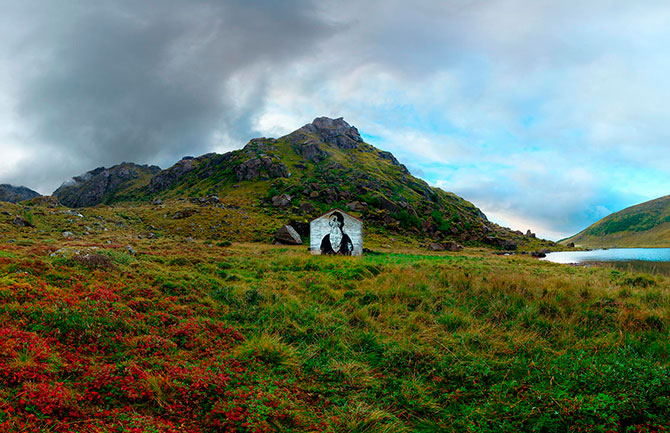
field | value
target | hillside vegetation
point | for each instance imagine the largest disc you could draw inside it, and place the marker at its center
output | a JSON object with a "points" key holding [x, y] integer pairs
{"points": [[109, 327], [643, 225], [322, 165]]}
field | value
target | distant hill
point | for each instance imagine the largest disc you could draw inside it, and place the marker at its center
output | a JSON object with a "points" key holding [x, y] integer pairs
{"points": [[322, 165], [643, 225], [15, 194]]}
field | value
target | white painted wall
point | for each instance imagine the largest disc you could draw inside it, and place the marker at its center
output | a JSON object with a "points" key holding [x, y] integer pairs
{"points": [[320, 228]]}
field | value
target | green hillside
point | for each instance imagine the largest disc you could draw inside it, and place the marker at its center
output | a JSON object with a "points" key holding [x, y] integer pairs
{"points": [[322, 165], [643, 225]]}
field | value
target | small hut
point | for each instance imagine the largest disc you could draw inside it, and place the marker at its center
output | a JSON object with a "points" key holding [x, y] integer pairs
{"points": [[336, 232]]}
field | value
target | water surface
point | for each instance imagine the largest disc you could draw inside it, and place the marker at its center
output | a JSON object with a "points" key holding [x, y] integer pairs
{"points": [[611, 255]]}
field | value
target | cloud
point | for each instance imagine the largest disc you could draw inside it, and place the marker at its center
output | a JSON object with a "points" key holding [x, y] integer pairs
{"points": [[545, 114], [96, 83]]}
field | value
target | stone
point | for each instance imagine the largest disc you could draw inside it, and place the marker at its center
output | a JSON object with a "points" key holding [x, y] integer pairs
{"points": [[181, 214], [434, 246], [571, 245], [19, 221], [130, 250], [299, 226], [357, 206], [530, 234], [281, 200], [453, 246], [157, 202], [68, 235], [306, 208], [538, 254], [288, 236]]}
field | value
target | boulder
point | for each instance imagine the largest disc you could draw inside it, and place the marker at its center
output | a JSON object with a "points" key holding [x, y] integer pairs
{"points": [[181, 214], [436, 247], [538, 254], [288, 236], [357, 206], [307, 208], [505, 244], [19, 221], [281, 200], [571, 245], [301, 227], [530, 234], [453, 246]]}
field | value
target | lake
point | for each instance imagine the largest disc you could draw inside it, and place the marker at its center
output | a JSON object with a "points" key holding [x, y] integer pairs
{"points": [[611, 255]]}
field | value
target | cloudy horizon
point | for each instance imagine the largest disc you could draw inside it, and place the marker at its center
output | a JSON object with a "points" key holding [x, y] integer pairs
{"points": [[546, 115]]}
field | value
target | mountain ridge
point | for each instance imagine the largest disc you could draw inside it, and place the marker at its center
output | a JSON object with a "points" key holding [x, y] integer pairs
{"points": [[15, 194], [323, 164]]}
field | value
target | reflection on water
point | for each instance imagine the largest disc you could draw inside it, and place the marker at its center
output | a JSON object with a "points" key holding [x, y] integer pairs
{"points": [[644, 266]]}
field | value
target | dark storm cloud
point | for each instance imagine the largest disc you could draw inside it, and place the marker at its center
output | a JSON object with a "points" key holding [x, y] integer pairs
{"points": [[102, 82]]}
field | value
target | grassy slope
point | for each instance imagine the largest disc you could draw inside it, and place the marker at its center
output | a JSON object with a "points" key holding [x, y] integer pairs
{"points": [[197, 336], [643, 225]]}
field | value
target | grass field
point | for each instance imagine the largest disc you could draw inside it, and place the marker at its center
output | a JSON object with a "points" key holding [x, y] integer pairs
{"points": [[199, 336]]}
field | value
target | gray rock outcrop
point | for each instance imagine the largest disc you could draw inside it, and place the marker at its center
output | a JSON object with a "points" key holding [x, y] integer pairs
{"points": [[288, 236], [95, 186]]}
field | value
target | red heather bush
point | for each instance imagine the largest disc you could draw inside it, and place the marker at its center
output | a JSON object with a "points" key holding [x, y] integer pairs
{"points": [[24, 356], [52, 400], [152, 345], [125, 384], [197, 333]]}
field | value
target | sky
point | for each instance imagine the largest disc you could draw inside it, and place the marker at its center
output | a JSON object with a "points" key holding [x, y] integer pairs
{"points": [[547, 115]]}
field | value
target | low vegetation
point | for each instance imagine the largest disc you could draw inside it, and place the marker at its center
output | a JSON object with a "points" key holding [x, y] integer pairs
{"points": [[199, 336]]}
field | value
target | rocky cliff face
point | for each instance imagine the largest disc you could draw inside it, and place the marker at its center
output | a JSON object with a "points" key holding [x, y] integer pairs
{"points": [[96, 186], [15, 194]]}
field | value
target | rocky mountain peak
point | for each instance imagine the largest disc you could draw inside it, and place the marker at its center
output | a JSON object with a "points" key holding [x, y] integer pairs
{"points": [[333, 131]]}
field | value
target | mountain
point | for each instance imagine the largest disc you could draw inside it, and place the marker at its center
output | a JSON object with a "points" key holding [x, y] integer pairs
{"points": [[15, 194], [322, 165], [644, 225], [104, 185]]}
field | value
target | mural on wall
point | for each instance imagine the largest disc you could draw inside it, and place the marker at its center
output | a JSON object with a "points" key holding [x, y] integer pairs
{"points": [[336, 232]]}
